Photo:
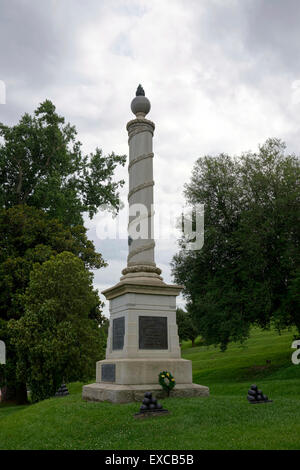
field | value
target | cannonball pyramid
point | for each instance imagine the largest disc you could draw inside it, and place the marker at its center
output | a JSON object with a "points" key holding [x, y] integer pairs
{"points": [[151, 405], [257, 396], [62, 391]]}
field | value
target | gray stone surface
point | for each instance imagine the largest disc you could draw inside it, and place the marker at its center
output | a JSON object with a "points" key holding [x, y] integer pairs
{"points": [[135, 393], [146, 371], [132, 305], [140, 106]]}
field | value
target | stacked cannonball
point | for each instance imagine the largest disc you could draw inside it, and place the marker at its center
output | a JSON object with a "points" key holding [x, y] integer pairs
{"points": [[255, 395], [150, 404], [62, 391]]}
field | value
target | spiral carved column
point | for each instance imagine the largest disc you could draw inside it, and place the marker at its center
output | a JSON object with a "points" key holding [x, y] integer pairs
{"points": [[141, 244]]}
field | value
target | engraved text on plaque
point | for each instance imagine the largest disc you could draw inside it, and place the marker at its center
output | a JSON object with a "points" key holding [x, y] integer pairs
{"points": [[153, 332], [108, 372], [118, 333]]}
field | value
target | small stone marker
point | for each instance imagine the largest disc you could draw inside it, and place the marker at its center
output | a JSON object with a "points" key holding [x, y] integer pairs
{"points": [[150, 407], [256, 396], [62, 391]]}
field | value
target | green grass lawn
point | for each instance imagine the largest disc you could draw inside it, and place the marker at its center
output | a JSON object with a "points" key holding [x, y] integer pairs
{"points": [[224, 420]]}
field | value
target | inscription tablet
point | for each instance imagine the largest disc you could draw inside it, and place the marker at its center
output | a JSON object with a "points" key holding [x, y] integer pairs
{"points": [[118, 333], [153, 332], [108, 372]]}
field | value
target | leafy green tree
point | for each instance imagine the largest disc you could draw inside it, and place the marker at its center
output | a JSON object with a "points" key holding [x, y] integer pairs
{"points": [[246, 272], [55, 339], [29, 236], [186, 327], [41, 165]]}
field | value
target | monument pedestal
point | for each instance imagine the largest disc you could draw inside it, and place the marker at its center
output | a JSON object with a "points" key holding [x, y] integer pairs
{"points": [[130, 393], [142, 342], [142, 371]]}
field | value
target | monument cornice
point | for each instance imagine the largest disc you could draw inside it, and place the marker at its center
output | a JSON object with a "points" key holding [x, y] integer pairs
{"points": [[142, 286]]}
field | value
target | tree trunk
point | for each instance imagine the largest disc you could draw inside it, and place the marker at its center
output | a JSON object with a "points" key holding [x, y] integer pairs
{"points": [[21, 394], [16, 394]]}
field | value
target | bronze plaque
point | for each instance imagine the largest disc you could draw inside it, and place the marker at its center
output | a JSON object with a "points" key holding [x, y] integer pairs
{"points": [[118, 333], [153, 333], [108, 372]]}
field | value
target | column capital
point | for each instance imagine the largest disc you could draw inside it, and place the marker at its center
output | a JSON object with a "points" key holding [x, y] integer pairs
{"points": [[135, 126]]}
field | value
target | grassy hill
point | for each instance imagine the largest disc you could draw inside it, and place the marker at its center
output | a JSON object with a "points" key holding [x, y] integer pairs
{"points": [[224, 420]]}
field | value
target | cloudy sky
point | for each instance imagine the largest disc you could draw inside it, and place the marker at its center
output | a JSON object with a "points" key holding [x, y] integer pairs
{"points": [[221, 75]]}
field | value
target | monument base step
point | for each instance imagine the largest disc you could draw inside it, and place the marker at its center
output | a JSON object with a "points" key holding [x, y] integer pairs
{"points": [[130, 393], [143, 371]]}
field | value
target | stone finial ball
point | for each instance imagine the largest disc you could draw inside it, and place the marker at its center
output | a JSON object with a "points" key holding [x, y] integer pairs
{"points": [[140, 106]]}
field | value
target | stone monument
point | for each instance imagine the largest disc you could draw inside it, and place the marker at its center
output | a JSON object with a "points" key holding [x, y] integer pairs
{"points": [[142, 338]]}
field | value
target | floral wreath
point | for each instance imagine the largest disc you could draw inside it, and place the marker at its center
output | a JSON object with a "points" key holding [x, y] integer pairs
{"points": [[167, 381]]}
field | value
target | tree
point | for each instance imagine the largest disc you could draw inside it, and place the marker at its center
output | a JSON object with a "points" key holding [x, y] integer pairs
{"points": [[246, 272], [186, 328], [41, 165], [55, 339], [29, 236]]}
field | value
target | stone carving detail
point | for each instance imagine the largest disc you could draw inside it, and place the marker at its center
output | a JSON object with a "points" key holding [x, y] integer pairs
{"points": [[140, 263], [138, 159], [149, 246], [140, 91], [139, 187], [141, 268], [136, 126]]}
